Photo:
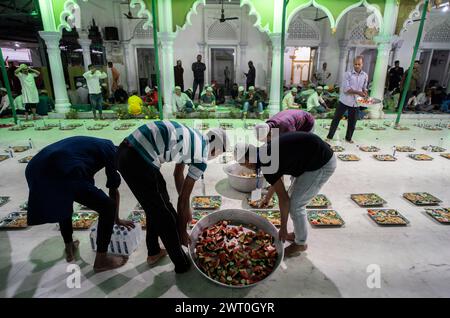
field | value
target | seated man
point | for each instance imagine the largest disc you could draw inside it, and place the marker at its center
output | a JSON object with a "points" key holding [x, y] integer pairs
{"points": [[445, 104], [120, 95], [46, 103], [240, 98], [151, 97], [208, 100], [313, 104], [424, 102], [289, 100], [182, 102], [234, 91], [252, 102]]}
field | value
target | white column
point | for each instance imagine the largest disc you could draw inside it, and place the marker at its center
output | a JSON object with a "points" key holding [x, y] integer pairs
{"points": [[274, 102], [167, 63], [243, 64], [343, 51], [85, 44], [426, 72], [130, 66], [62, 104]]}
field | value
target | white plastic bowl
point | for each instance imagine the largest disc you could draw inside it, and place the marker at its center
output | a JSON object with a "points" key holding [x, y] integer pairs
{"points": [[240, 183], [243, 217]]}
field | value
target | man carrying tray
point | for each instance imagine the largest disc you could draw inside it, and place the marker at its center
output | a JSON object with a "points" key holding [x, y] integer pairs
{"points": [[63, 173], [140, 157], [302, 155]]}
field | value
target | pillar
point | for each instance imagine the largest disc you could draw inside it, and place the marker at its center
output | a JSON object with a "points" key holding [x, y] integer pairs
{"points": [[85, 44], [243, 64], [425, 72], [62, 104], [168, 79], [130, 66], [274, 101], [343, 51]]}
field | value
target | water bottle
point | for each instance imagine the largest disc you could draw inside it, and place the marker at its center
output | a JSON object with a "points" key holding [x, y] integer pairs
{"points": [[394, 149], [93, 238], [10, 152], [30, 143]]}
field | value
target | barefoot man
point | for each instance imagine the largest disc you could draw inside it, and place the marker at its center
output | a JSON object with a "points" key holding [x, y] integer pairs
{"points": [[302, 155], [63, 173]]}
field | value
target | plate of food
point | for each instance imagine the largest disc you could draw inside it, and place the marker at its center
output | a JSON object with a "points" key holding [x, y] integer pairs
{"points": [[401, 128], [367, 101], [121, 127], [95, 127], [18, 148], [368, 199], [83, 220], [47, 127], [28, 125], [445, 155], [349, 157], [226, 126], [138, 217], [4, 200], [434, 148], [369, 148], [26, 159], [6, 125], [207, 202], [420, 157], [202, 126], [273, 216], [14, 220], [320, 201], [433, 128], [421, 198], [325, 218], [3, 157], [387, 217], [273, 203], [385, 157], [375, 127], [441, 215], [67, 127], [17, 128], [197, 215], [405, 149], [337, 148], [235, 248]]}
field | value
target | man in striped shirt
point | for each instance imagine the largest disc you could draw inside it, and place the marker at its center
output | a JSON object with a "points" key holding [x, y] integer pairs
{"points": [[140, 157]]}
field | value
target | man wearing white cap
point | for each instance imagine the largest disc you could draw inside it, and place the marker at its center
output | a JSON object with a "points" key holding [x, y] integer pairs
{"points": [[30, 92], [240, 98], [208, 100], [93, 77], [286, 121], [289, 100], [252, 101], [315, 103], [182, 101]]}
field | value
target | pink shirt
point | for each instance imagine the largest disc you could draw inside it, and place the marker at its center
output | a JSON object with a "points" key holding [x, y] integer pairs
{"points": [[292, 120]]}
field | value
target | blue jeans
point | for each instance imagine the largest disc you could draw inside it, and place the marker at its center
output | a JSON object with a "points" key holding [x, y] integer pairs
{"points": [[189, 107], [96, 101], [304, 188], [247, 107], [444, 106]]}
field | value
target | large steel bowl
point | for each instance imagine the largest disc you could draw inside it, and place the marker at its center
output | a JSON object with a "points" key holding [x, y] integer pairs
{"points": [[239, 216], [240, 183]]}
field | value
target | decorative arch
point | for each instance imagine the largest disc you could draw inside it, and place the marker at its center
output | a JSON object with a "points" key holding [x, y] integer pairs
{"points": [[67, 17], [371, 8], [222, 31], [255, 13], [308, 4], [439, 33], [300, 29], [192, 11], [140, 32], [143, 13], [413, 15]]}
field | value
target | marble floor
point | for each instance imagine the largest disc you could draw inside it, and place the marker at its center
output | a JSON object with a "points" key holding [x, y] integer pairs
{"points": [[412, 261]]}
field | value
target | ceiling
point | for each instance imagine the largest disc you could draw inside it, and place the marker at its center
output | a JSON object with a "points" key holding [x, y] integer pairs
{"points": [[19, 20]]}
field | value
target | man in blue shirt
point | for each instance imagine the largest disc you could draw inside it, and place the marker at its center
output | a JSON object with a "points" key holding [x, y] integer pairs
{"points": [[353, 87], [63, 173]]}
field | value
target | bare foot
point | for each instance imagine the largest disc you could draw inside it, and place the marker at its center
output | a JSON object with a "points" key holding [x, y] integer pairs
{"points": [[104, 262], [350, 141], [70, 250], [152, 260], [290, 237], [294, 249]]}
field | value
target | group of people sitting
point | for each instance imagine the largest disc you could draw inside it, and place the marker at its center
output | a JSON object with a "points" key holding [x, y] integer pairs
{"points": [[316, 100], [431, 100]]}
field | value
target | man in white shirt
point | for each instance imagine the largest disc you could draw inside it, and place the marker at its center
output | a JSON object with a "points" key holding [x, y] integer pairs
{"points": [[182, 101], [93, 77], [315, 102], [288, 100], [30, 93], [322, 76], [83, 93]]}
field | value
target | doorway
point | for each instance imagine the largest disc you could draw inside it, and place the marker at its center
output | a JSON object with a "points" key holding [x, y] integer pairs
{"points": [[222, 59], [145, 68], [299, 65], [438, 68]]}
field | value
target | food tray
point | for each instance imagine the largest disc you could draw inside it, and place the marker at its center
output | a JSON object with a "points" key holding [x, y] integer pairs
{"points": [[68, 127], [387, 217], [138, 217], [17, 128], [320, 201], [83, 220], [434, 128], [226, 126], [405, 149], [325, 218], [337, 148], [18, 148], [377, 128], [420, 157], [4, 200], [273, 216], [421, 198], [44, 128], [369, 101], [441, 215], [434, 148], [121, 127], [3, 157], [368, 199], [52, 125], [102, 124], [349, 157], [197, 215], [95, 127], [14, 220], [28, 125], [369, 148], [207, 202], [445, 155], [6, 125], [255, 204], [26, 159], [204, 126], [401, 128], [385, 157]]}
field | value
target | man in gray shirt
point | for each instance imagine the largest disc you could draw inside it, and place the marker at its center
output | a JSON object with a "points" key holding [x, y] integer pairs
{"points": [[354, 86]]}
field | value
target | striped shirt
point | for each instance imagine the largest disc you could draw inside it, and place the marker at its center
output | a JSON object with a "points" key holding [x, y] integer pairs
{"points": [[165, 141]]}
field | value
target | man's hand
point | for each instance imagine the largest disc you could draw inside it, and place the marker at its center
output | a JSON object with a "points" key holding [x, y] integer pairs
{"points": [[128, 224], [283, 234]]}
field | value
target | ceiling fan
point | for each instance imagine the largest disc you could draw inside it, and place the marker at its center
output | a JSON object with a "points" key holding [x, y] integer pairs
{"points": [[129, 15], [222, 16]]}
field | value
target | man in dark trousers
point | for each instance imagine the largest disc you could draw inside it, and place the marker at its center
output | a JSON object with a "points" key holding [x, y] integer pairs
{"points": [[179, 71], [395, 76], [63, 173], [198, 68], [354, 86], [141, 156], [251, 75]]}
